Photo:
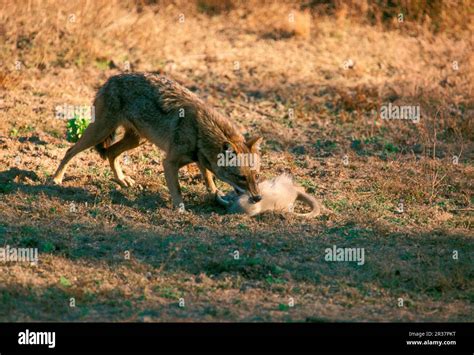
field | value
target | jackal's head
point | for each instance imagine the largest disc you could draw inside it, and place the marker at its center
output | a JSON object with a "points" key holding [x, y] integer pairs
{"points": [[238, 164]]}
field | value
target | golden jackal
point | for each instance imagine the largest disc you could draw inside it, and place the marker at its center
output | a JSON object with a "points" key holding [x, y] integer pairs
{"points": [[154, 108], [278, 194]]}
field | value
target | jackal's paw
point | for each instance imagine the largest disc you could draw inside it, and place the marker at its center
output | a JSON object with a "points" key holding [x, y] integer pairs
{"points": [[126, 182], [56, 180]]}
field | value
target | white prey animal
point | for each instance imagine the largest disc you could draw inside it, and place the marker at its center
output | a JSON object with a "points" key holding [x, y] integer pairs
{"points": [[278, 194]]}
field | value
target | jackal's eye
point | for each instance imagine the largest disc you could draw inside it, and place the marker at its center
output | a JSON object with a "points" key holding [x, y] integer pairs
{"points": [[257, 177]]}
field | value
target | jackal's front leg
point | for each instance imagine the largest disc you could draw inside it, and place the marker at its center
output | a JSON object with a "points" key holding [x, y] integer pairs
{"points": [[208, 180], [171, 168]]}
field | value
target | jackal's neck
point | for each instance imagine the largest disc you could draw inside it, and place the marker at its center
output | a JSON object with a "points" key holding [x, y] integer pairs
{"points": [[213, 128], [216, 129]]}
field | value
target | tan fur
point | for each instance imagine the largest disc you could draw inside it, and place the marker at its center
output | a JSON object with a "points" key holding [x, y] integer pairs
{"points": [[154, 108], [278, 194]]}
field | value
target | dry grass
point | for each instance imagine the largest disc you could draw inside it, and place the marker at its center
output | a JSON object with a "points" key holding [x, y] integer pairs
{"points": [[332, 66]]}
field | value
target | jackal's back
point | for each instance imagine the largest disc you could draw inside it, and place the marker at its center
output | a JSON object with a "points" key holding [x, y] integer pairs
{"points": [[154, 103], [138, 95]]}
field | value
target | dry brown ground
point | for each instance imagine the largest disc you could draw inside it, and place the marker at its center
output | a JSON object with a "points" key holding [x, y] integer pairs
{"points": [[254, 67]]}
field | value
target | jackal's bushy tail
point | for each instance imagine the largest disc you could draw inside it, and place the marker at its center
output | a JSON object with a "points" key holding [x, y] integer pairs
{"points": [[100, 107]]}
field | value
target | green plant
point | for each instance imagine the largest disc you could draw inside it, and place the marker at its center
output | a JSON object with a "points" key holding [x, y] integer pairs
{"points": [[75, 128], [64, 281], [14, 133]]}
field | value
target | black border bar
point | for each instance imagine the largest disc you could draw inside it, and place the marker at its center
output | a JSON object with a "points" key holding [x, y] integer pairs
{"points": [[241, 337]]}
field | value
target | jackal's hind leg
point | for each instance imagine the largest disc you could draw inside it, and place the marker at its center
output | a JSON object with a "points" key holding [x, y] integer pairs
{"points": [[94, 134], [130, 141]]}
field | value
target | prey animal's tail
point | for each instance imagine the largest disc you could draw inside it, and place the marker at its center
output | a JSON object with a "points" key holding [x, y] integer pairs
{"points": [[311, 202]]}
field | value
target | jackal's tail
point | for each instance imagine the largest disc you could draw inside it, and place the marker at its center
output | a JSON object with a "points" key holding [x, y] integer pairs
{"points": [[101, 148], [311, 202], [102, 114]]}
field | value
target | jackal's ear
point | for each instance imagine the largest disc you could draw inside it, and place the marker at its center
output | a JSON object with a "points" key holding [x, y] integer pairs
{"points": [[254, 143]]}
